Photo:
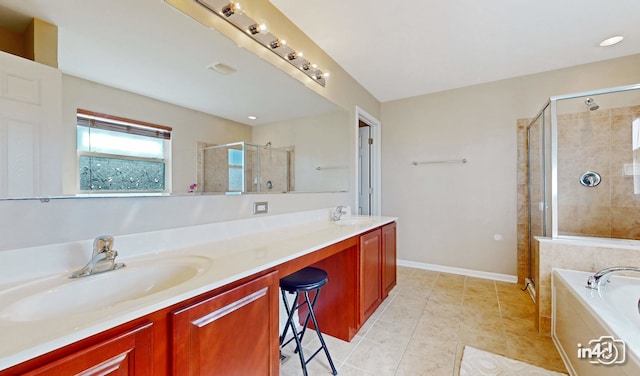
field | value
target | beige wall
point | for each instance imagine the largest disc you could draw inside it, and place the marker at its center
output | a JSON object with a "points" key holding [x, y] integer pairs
{"points": [[451, 214]]}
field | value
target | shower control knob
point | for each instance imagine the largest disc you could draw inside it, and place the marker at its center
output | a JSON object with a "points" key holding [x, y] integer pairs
{"points": [[590, 179]]}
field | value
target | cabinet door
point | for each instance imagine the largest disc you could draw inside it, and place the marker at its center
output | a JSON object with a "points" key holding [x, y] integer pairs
{"points": [[232, 333], [370, 273], [388, 258], [130, 353]]}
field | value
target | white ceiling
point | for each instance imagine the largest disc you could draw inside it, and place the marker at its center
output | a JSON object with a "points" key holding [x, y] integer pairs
{"points": [[413, 47], [150, 48]]}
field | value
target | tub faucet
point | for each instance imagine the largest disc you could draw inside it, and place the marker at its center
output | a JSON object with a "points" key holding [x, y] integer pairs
{"points": [[338, 212], [601, 277], [103, 259]]}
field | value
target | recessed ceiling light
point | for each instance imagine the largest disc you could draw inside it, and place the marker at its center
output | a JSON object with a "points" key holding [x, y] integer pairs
{"points": [[611, 41], [251, 117]]}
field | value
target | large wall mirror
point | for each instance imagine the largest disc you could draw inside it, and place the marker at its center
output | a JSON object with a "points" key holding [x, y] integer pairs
{"points": [[147, 61]]}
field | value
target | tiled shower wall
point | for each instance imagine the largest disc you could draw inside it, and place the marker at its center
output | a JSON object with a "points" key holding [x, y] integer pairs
{"points": [[523, 218], [216, 178], [599, 141]]}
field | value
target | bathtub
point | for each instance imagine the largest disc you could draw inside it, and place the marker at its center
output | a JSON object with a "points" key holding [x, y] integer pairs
{"points": [[597, 332]]}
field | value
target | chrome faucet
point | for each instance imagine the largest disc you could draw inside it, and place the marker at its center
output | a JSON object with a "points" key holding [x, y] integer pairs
{"points": [[338, 212], [103, 259], [601, 277]]}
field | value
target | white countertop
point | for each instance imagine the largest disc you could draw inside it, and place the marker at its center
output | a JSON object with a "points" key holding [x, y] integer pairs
{"points": [[225, 252]]}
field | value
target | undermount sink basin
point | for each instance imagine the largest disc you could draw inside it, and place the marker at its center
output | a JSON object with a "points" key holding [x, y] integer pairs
{"points": [[355, 221], [60, 296]]}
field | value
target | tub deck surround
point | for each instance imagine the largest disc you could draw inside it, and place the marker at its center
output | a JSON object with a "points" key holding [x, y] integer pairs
{"points": [[575, 253], [236, 249], [581, 314]]}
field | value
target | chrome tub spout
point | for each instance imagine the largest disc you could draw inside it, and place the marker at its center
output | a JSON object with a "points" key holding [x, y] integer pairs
{"points": [[601, 277]]}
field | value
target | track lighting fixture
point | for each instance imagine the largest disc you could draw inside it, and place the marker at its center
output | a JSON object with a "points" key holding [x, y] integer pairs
{"points": [[259, 31]]}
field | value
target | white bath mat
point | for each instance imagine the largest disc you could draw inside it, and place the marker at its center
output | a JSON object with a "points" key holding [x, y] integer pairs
{"points": [[479, 363]]}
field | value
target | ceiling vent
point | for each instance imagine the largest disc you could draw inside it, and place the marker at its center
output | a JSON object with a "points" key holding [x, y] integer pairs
{"points": [[222, 68]]}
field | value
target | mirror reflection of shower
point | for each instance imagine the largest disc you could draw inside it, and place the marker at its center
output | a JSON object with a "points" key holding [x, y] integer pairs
{"points": [[241, 167]]}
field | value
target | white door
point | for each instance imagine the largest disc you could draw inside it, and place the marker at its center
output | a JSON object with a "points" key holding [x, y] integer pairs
{"points": [[364, 162], [30, 128]]}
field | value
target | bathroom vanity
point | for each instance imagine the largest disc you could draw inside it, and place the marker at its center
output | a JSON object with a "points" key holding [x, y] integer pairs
{"points": [[225, 317]]}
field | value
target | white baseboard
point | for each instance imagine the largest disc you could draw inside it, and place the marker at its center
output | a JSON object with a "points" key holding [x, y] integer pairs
{"points": [[461, 271]]}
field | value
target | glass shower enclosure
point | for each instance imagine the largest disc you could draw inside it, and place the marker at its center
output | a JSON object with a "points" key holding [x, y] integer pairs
{"points": [[538, 187], [583, 167]]}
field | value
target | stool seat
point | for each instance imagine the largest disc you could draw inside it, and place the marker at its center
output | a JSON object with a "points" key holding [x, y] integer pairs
{"points": [[306, 279]]}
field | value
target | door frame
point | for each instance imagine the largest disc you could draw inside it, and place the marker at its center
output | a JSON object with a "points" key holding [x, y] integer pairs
{"points": [[376, 200]]}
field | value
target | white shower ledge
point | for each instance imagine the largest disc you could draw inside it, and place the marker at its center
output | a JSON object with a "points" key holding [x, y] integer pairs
{"points": [[237, 249]]}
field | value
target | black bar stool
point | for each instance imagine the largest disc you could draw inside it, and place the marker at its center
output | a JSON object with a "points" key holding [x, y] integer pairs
{"points": [[303, 281]]}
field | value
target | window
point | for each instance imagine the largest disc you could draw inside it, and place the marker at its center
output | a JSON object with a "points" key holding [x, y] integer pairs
{"points": [[117, 155]]}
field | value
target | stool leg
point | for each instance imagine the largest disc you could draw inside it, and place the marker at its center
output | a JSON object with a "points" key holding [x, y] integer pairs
{"points": [[315, 324], [294, 331], [290, 311], [310, 304]]}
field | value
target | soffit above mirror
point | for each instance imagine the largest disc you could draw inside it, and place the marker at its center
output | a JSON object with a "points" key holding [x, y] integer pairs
{"points": [[149, 48]]}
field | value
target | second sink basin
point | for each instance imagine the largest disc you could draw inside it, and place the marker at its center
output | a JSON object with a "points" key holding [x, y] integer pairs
{"points": [[60, 296]]}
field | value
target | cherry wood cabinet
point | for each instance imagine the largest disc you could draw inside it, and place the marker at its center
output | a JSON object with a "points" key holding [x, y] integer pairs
{"points": [[389, 258], [130, 353], [377, 263], [370, 264], [233, 333]]}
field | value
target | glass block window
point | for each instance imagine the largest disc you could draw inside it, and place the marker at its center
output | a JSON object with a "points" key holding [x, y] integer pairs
{"points": [[117, 155]]}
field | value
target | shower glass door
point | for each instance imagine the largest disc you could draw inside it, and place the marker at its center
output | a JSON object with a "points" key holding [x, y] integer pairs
{"points": [[538, 140]]}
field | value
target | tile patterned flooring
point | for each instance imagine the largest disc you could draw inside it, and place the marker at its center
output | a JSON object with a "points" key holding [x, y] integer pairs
{"points": [[423, 326]]}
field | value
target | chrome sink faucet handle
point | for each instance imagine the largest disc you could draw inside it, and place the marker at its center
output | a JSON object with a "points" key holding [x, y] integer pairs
{"points": [[601, 277], [103, 259], [102, 244], [338, 212]]}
